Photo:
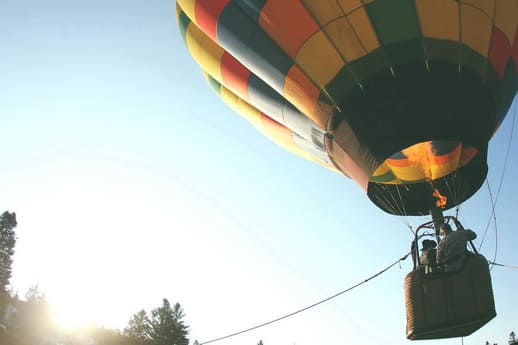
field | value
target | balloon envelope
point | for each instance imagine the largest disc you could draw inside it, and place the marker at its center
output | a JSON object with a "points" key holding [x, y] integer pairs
{"points": [[400, 96]]}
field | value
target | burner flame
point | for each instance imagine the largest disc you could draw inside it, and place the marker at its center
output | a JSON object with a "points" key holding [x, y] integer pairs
{"points": [[441, 199]]}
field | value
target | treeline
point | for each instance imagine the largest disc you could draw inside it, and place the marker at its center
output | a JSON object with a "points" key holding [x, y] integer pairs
{"points": [[30, 320]]}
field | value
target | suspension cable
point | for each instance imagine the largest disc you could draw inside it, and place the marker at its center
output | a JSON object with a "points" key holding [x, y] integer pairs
{"points": [[500, 183]]}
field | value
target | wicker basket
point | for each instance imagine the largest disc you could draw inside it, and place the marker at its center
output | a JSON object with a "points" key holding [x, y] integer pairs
{"points": [[449, 305]]}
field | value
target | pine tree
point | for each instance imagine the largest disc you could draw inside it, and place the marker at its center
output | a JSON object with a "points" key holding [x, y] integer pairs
{"points": [[164, 327], [138, 326], [33, 320], [7, 242], [181, 329]]}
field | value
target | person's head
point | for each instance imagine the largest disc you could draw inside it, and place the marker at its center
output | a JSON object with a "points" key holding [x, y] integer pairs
{"points": [[445, 230], [428, 244]]}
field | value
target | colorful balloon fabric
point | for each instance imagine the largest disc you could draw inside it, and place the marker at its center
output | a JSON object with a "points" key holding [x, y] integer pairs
{"points": [[402, 96]]}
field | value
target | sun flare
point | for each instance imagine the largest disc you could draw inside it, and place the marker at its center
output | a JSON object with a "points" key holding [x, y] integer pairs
{"points": [[72, 314]]}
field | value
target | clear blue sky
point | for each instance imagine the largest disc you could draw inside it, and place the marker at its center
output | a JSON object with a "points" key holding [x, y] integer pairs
{"points": [[133, 182]]}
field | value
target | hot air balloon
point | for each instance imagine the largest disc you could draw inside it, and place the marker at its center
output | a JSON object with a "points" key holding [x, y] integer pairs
{"points": [[401, 96]]}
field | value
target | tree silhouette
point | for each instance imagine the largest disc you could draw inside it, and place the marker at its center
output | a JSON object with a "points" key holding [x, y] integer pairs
{"points": [[138, 326], [33, 321], [7, 242], [164, 327], [512, 339]]}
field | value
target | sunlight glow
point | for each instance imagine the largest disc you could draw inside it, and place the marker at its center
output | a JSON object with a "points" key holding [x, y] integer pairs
{"points": [[70, 316]]}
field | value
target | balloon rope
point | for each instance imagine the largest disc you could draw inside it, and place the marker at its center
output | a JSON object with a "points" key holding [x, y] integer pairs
{"points": [[308, 307], [502, 265], [492, 215]]}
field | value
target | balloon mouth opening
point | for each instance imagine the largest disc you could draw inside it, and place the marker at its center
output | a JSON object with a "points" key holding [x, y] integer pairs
{"points": [[427, 175], [424, 162]]}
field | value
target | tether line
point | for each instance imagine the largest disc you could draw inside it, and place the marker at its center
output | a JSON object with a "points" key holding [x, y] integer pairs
{"points": [[308, 307]]}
